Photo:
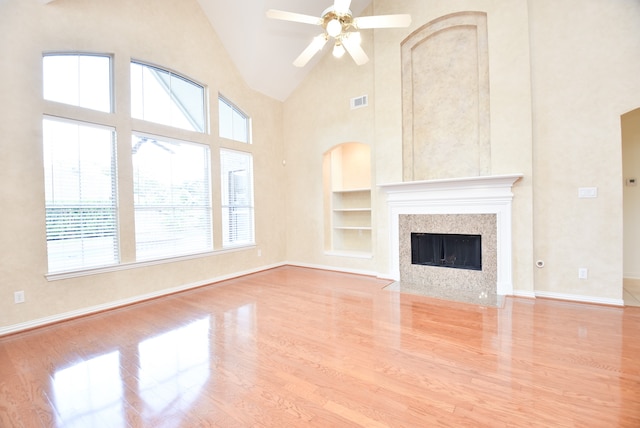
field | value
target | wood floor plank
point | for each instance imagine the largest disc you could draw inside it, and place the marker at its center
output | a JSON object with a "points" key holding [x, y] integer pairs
{"points": [[300, 347]]}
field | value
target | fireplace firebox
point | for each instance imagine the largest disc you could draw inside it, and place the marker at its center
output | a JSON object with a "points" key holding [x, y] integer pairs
{"points": [[447, 250]]}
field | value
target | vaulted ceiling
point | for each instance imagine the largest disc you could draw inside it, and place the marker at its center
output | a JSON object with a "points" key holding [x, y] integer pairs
{"points": [[263, 49]]}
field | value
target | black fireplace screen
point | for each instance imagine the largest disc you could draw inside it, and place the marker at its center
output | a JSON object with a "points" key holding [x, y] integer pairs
{"points": [[447, 250]]}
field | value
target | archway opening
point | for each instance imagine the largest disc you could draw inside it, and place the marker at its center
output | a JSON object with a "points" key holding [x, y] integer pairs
{"points": [[630, 124]]}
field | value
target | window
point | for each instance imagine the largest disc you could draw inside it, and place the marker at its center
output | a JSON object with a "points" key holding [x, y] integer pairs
{"points": [[172, 197], [234, 124], [80, 193], [237, 198], [163, 97], [171, 213], [79, 80]]}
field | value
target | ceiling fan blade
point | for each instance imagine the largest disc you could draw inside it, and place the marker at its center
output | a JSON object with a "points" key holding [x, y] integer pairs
{"points": [[314, 47], [341, 6], [293, 17], [351, 43], [382, 21]]}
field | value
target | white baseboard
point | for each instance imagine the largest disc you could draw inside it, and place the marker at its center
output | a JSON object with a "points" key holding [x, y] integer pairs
{"points": [[580, 298], [41, 322], [525, 293], [334, 268]]}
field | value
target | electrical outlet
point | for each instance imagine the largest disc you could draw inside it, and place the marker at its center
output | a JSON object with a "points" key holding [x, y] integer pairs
{"points": [[583, 273], [259, 253], [18, 297]]}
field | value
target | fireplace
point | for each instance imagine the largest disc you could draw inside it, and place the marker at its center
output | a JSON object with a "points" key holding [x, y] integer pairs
{"points": [[448, 250], [464, 206], [436, 276]]}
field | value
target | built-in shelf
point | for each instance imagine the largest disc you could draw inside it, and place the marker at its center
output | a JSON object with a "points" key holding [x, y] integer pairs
{"points": [[348, 200], [353, 254], [351, 220], [352, 208], [362, 189]]}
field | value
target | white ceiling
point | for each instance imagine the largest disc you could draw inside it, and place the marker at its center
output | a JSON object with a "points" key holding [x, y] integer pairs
{"points": [[264, 49]]}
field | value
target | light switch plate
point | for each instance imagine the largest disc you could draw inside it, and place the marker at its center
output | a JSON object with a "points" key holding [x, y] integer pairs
{"points": [[587, 192]]}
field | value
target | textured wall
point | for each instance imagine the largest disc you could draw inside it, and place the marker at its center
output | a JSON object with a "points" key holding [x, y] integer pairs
{"points": [[445, 99]]}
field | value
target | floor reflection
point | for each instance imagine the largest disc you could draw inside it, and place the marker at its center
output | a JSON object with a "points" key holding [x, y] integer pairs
{"points": [[89, 393], [173, 367], [294, 347]]}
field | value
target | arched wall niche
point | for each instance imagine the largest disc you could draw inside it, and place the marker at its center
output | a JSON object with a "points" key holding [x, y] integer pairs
{"points": [[347, 199], [445, 99]]}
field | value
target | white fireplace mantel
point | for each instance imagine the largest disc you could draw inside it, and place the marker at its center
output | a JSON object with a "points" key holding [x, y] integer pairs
{"points": [[469, 195]]}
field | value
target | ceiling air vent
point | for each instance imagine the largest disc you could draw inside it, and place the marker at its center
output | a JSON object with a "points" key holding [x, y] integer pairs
{"points": [[359, 102]]}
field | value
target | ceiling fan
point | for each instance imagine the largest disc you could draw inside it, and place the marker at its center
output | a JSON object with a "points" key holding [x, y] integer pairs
{"points": [[338, 23]]}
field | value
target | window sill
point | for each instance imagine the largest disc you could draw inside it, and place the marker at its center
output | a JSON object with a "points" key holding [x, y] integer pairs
{"points": [[134, 265]]}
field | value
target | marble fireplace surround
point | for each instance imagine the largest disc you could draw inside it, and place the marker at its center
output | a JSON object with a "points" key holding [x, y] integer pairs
{"points": [[460, 196]]}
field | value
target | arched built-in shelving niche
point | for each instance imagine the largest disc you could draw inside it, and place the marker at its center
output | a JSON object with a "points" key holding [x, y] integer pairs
{"points": [[347, 199]]}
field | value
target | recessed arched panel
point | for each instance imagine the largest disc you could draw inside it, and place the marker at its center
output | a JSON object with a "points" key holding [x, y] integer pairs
{"points": [[445, 99]]}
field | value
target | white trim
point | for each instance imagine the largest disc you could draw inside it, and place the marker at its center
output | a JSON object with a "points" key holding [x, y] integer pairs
{"points": [[525, 293], [580, 298], [335, 269], [355, 254], [41, 322], [469, 195], [133, 265]]}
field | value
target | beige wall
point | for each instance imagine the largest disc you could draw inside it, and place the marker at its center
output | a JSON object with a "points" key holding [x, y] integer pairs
{"points": [[585, 68], [560, 75], [169, 33], [631, 169], [318, 117]]}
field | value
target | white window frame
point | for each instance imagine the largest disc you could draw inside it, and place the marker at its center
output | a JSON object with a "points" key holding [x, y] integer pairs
{"points": [[176, 112], [123, 123], [237, 119], [85, 81], [83, 242], [233, 209], [176, 242]]}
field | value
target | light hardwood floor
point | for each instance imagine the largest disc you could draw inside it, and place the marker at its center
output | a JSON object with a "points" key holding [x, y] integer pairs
{"points": [[296, 347]]}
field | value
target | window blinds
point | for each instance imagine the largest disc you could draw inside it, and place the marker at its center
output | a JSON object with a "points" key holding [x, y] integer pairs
{"points": [[236, 169], [80, 195], [172, 197]]}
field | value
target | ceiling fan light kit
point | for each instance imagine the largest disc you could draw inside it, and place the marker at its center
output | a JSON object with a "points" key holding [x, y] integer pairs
{"points": [[334, 26], [339, 24]]}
